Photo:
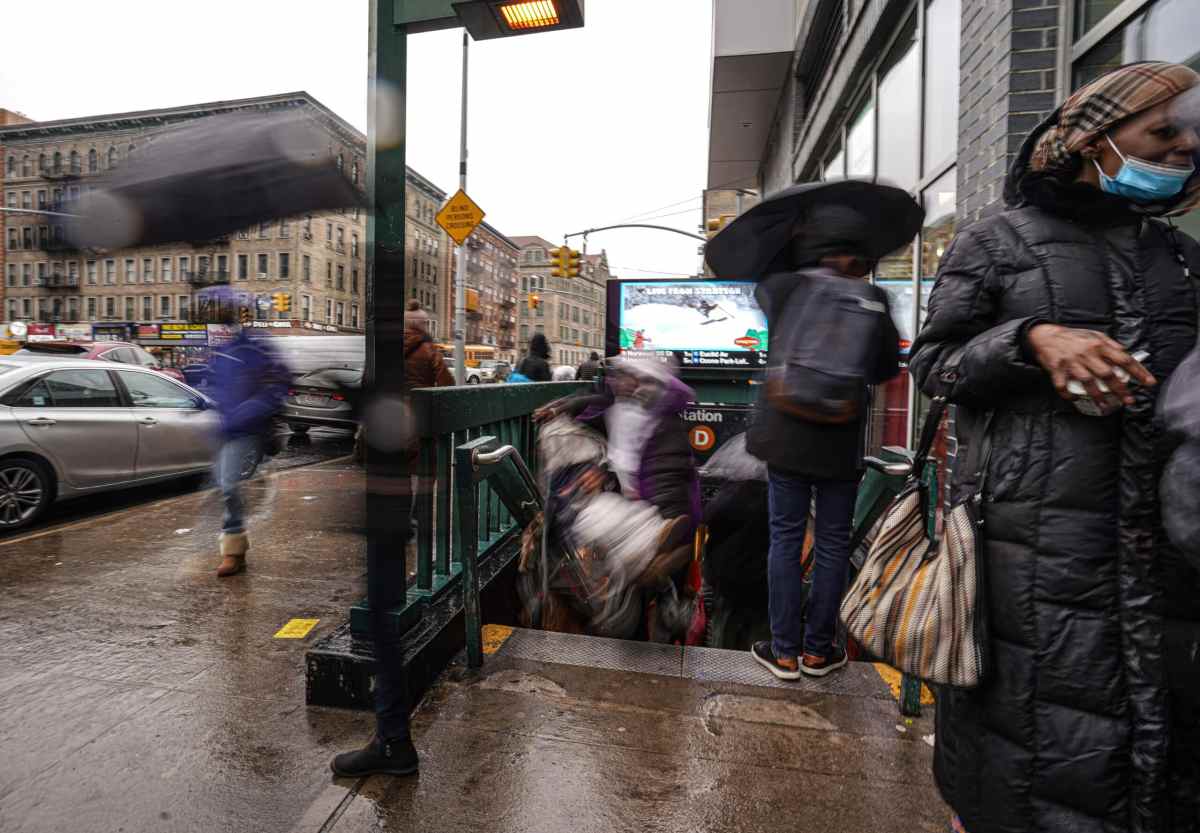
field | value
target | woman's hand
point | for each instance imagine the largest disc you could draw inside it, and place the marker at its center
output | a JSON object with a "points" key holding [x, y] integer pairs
{"points": [[1089, 358]]}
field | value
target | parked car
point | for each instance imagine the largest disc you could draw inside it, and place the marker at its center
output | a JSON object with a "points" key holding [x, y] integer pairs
{"points": [[110, 351], [492, 370], [195, 374], [327, 396], [72, 427]]}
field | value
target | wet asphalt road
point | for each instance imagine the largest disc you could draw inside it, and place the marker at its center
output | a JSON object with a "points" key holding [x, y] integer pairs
{"points": [[320, 445]]}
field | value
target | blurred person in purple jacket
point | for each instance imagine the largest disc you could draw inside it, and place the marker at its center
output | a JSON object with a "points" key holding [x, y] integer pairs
{"points": [[248, 381]]}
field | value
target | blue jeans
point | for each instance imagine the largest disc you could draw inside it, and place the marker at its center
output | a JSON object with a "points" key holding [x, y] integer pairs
{"points": [[789, 499], [231, 459]]}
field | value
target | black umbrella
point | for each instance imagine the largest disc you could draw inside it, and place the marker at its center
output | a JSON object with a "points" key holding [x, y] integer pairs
{"points": [[213, 176], [798, 225]]}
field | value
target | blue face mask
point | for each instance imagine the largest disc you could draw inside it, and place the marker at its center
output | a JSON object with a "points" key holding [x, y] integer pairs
{"points": [[1143, 181]]}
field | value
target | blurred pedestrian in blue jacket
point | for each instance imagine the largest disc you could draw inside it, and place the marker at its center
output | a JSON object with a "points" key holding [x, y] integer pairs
{"points": [[249, 382]]}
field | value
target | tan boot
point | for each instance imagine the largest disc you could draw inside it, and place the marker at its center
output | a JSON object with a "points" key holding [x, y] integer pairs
{"points": [[233, 553]]}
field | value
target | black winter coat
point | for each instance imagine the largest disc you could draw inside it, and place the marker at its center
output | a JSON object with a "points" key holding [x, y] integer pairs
{"points": [[1088, 719], [809, 449]]}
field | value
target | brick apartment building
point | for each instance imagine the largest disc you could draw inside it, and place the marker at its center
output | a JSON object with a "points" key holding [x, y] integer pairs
{"points": [[571, 312]]}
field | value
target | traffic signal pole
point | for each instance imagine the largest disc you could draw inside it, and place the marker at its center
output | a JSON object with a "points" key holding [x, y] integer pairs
{"points": [[460, 287]]}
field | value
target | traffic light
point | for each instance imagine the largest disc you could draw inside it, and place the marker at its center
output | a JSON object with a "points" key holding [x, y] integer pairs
{"points": [[245, 315], [712, 227], [281, 302], [535, 300], [566, 262]]}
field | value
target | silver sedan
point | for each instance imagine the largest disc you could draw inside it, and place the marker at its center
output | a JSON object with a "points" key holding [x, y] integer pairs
{"points": [[75, 427]]}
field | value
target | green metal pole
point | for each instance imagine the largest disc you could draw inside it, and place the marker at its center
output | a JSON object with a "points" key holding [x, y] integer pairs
{"points": [[385, 426]]}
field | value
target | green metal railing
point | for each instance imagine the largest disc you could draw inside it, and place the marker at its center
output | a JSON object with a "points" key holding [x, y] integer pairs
{"points": [[447, 419]]}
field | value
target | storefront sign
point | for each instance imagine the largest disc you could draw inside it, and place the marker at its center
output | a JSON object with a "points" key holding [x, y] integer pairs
{"points": [[147, 332], [40, 332], [110, 332], [75, 332], [323, 328], [188, 333], [219, 334]]}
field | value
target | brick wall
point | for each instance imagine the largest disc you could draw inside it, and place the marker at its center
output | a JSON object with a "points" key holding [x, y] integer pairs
{"points": [[1007, 86]]}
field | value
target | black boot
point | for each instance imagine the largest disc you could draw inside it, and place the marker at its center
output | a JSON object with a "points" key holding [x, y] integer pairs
{"points": [[379, 757]]}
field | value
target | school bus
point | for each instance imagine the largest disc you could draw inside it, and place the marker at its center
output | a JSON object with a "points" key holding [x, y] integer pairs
{"points": [[476, 353]]}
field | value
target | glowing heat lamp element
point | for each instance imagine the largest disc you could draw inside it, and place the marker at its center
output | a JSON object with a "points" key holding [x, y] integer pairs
{"points": [[524, 15]]}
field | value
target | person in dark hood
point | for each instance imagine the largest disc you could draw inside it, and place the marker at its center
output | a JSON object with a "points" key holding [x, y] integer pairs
{"points": [[536, 364], [1089, 716], [590, 368]]}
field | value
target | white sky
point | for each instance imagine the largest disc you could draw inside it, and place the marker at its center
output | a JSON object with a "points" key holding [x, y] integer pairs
{"points": [[568, 130]]}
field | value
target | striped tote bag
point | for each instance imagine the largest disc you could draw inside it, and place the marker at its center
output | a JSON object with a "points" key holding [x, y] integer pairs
{"points": [[917, 604]]}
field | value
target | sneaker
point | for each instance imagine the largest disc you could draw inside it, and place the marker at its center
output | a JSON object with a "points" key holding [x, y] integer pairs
{"points": [[379, 757], [815, 665], [785, 668]]}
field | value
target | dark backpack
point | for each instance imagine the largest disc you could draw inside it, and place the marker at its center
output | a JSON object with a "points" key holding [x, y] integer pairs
{"points": [[825, 347]]}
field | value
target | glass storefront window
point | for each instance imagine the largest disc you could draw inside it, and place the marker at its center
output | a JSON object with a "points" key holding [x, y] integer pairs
{"points": [[1166, 31], [1090, 12], [836, 167], [942, 21], [860, 142], [898, 112]]}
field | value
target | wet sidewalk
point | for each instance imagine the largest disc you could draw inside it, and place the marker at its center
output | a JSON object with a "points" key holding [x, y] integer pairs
{"points": [[139, 693]]}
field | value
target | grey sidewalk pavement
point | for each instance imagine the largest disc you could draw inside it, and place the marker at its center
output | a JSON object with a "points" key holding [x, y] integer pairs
{"points": [[140, 693]]}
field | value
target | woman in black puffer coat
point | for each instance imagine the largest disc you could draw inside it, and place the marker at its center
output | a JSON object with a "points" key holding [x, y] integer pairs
{"points": [[1088, 718]]}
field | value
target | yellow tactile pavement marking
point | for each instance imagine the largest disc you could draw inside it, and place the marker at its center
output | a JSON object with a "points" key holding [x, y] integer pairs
{"points": [[494, 636], [892, 677]]}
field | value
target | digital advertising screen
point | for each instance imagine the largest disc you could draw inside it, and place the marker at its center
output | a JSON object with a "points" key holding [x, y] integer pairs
{"points": [[704, 324]]}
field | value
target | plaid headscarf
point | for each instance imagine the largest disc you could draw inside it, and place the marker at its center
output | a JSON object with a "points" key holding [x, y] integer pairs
{"points": [[1096, 107]]}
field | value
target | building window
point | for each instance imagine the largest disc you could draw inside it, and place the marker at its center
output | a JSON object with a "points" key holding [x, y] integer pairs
{"points": [[185, 266], [329, 276], [306, 307], [341, 239], [354, 315], [354, 245], [75, 168], [41, 197], [130, 308], [112, 158], [354, 280], [41, 274], [341, 312], [223, 267], [110, 272], [147, 307], [341, 278], [14, 240], [285, 229], [12, 275], [43, 165], [899, 111], [90, 271], [91, 309], [26, 199], [354, 172], [184, 307], [11, 169], [164, 306], [262, 266], [27, 307], [147, 270], [93, 162], [1161, 31], [341, 163], [329, 232], [164, 269], [285, 266], [130, 270], [306, 268], [202, 265], [329, 311], [57, 162], [243, 267], [264, 231], [943, 19], [26, 166]]}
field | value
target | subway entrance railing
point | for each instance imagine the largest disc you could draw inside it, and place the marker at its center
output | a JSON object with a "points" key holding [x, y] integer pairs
{"points": [[478, 490], [470, 509]]}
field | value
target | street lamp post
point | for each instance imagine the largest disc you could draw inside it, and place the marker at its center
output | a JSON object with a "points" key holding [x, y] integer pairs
{"points": [[460, 286]]}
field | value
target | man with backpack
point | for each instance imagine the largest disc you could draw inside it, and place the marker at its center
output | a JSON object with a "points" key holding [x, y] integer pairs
{"points": [[812, 249]]}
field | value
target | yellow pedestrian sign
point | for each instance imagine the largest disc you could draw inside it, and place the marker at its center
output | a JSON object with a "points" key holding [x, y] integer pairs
{"points": [[460, 216]]}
